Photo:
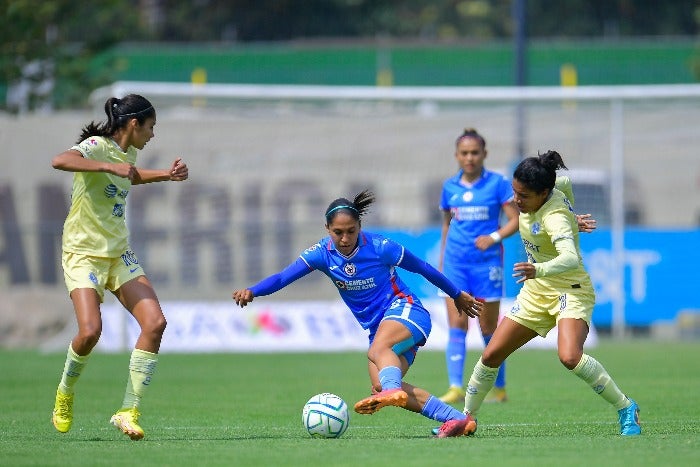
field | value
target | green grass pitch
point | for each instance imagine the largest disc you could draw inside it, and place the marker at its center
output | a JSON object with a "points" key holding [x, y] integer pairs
{"points": [[245, 409]]}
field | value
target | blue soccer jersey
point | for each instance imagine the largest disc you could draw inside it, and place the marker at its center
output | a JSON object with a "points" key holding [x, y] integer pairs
{"points": [[367, 281], [475, 211]]}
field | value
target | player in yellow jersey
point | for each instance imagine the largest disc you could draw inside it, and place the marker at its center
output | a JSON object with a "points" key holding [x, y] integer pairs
{"points": [[96, 252], [557, 291]]}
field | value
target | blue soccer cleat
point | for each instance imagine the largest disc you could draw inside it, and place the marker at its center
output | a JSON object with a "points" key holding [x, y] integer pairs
{"points": [[629, 420]]}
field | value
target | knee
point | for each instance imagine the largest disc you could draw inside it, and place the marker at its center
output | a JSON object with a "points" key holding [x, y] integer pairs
{"points": [[156, 325], [88, 335], [570, 359], [491, 359]]}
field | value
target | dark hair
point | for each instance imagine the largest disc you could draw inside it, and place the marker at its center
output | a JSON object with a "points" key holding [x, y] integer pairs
{"points": [[119, 112], [471, 133], [356, 208], [539, 173]]}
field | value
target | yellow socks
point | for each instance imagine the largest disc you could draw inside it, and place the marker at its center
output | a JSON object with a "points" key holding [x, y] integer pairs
{"points": [[142, 365], [480, 383], [593, 373], [71, 370]]}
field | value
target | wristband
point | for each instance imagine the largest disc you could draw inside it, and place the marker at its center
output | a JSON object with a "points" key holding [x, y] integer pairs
{"points": [[495, 236]]}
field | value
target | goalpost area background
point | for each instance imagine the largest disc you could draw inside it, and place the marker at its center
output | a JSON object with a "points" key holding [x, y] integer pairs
{"points": [[263, 171]]}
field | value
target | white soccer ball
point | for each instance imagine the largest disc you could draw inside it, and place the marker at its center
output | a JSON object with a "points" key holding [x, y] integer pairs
{"points": [[325, 416]]}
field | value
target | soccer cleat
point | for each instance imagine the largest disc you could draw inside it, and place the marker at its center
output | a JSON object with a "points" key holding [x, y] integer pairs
{"points": [[127, 420], [496, 395], [455, 428], [629, 420], [62, 416], [453, 395], [396, 397]]}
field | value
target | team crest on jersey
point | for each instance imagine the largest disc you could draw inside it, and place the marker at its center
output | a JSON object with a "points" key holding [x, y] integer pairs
{"points": [[468, 196], [535, 228], [350, 269]]}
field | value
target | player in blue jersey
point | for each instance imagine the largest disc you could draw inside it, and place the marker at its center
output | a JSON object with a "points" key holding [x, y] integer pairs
{"points": [[557, 291], [362, 266], [473, 202], [96, 252]]}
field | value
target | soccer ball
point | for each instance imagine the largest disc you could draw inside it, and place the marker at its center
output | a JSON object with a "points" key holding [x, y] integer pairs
{"points": [[325, 416]]}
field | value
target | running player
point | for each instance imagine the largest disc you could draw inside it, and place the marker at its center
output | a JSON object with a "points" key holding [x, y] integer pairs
{"points": [[557, 291], [362, 266], [96, 252]]}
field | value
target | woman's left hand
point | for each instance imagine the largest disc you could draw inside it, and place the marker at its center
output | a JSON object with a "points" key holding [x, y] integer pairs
{"points": [[179, 171]]}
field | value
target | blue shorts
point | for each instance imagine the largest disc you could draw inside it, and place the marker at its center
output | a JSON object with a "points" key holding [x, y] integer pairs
{"points": [[410, 312], [483, 280]]}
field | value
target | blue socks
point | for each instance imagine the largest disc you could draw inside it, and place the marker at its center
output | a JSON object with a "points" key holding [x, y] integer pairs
{"points": [[455, 355], [390, 377], [436, 409]]}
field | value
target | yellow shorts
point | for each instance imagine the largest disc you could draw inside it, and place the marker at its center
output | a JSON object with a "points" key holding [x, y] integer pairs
{"points": [[541, 312], [93, 272]]}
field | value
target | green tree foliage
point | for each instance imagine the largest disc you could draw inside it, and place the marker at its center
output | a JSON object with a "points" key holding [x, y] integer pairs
{"points": [[47, 48], [274, 20]]}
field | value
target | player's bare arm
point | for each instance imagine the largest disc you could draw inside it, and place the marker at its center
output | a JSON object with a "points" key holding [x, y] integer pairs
{"points": [[178, 172], [73, 161]]}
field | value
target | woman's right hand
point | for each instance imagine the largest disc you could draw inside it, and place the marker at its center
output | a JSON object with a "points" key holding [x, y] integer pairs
{"points": [[243, 297], [123, 170]]}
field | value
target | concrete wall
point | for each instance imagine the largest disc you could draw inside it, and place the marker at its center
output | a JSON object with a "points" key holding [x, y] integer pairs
{"points": [[261, 180]]}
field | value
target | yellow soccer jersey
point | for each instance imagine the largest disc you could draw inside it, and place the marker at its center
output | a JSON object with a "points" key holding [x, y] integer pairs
{"points": [[539, 230], [95, 224], [563, 184]]}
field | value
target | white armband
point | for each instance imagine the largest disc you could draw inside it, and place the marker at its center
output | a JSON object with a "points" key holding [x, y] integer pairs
{"points": [[495, 236]]}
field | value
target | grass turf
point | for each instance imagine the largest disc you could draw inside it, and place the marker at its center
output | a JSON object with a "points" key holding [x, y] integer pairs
{"points": [[245, 409]]}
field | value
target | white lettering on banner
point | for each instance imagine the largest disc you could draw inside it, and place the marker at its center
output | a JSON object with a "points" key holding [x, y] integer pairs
{"points": [[601, 266], [316, 326]]}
